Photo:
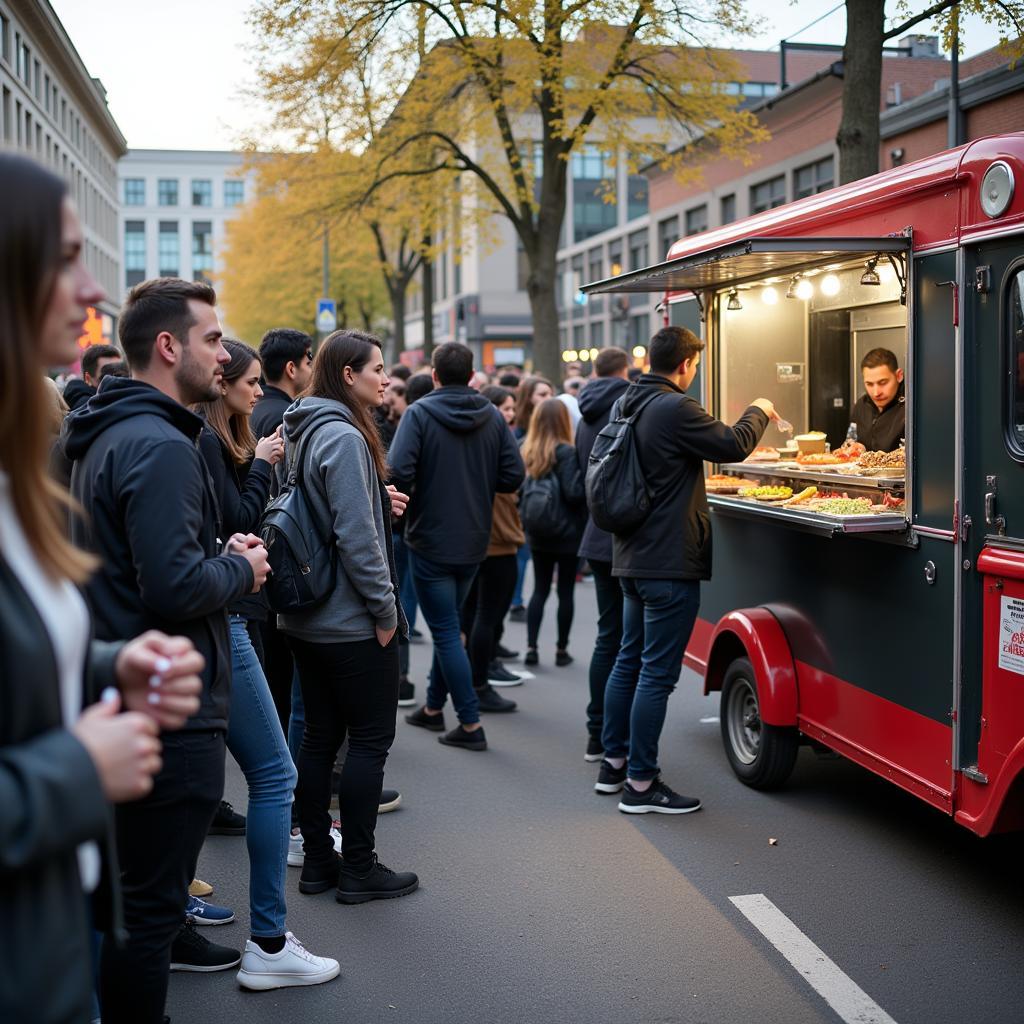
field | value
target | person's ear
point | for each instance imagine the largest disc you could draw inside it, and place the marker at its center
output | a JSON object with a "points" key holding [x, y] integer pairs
{"points": [[433, 377], [899, 376], [350, 377], [166, 348], [289, 370]]}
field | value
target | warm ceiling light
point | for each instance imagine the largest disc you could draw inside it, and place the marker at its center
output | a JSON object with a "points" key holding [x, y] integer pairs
{"points": [[870, 275], [830, 285], [804, 289], [769, 296], [734, 300]]}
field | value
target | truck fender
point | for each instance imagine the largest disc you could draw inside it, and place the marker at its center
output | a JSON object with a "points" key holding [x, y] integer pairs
{"points": [[998, 807], [755, 633]]}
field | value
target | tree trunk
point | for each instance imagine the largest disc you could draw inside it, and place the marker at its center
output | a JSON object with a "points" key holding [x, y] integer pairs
{"points": [[858, 136], [397, 289], [540, 286], [427, 275]]}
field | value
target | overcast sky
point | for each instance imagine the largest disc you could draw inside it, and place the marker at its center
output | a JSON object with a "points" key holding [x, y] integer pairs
{"points": [[174, 74]]}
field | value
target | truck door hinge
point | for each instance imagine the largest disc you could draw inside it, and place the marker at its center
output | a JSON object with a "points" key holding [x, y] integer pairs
{"points": [[972, 773], [983, 279], [955, 291], [965, 528]]}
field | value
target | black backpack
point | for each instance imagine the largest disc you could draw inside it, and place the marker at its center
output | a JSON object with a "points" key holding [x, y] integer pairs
{"points": [[302, 560], [617, 493], [540, 507]]}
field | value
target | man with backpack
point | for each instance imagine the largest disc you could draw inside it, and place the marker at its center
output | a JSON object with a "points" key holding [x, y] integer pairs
{"points": [[660, 561], [452, 453]]}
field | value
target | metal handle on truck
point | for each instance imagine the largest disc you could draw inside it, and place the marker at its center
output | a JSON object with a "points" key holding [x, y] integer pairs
{"points": [[991, 519]]}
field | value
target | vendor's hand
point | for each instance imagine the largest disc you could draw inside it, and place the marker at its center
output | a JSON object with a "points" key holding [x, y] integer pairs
{"points": [[159, 676], [384, 635], [399, 501], [124, 748], [767, 407], [271, 449]]}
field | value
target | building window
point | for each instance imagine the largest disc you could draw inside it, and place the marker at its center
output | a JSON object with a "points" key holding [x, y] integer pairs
{"points": [[615, 257], [595, 265], [25, 63], [697, 220], [168, 249], [202, 250], [639, 329], [814, 178], [234, 193], [167, 191], [579, 336], [202, 192], [5, 37], [728, 209], [768, 194], [592, 176], [638, 250], [668, 235], [134, 252], [597, 334], [637, 190], [134, 191]]}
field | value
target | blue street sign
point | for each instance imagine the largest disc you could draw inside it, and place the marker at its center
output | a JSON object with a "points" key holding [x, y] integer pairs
{"points": [[326, 316]]}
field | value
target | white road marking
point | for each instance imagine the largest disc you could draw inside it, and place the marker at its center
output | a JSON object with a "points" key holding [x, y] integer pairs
{"points": [[710, 720], [847, 998]]}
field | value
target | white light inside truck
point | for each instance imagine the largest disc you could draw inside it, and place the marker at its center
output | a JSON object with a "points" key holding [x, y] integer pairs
{"points": [[830, 285]]}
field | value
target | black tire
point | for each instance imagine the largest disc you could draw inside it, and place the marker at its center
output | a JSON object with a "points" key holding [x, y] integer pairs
{"points": [[762, 756]]}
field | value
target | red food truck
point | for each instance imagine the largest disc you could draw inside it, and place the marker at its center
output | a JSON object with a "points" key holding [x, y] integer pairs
{"points": [[873, 602]]}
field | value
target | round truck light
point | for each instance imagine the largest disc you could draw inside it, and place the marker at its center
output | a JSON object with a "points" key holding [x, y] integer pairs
{"points": [[769, 296], [996, 189], [804, 289], [830, 285]]}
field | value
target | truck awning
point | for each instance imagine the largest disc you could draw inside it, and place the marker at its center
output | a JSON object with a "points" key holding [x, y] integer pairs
{"points": [[749, 260]]}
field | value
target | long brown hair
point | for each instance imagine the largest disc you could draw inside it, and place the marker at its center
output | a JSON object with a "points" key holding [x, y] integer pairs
{"points": [[524, 401], [353, 349], [231, 427], [30, 254], [550, 426]]}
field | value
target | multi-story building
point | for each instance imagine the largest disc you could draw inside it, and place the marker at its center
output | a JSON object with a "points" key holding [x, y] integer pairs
{"points": [[53, 109], [175, 205]]}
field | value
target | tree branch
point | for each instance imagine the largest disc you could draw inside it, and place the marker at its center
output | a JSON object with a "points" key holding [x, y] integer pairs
{"points": [[931, 12]]}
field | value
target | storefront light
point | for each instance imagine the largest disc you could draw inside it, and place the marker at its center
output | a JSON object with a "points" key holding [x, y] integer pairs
{"points": [[870, 275], [569, 356], [769, 296], [585, 355], [830, 285], [594, 353], [639, 351]]}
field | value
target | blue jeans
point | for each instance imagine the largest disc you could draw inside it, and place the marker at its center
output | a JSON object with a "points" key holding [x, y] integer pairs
{"points": [[297, 719], [257, 743], [522, 561], [441, 590], [657, 620]]}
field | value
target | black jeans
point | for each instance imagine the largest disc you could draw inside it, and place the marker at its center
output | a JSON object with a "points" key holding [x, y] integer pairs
{"points": [[486, 607], [158, 843], [278, 667], [350, 690], [544, 563], [606, 646]]}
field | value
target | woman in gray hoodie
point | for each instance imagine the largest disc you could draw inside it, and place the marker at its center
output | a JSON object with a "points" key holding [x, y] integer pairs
{"points": [[346, 649]]}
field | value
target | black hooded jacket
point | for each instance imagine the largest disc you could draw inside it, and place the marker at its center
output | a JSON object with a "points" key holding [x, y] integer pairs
{"points": [[452, 453], [77, 393], [674, 436], [153, 520], [596, 401]]}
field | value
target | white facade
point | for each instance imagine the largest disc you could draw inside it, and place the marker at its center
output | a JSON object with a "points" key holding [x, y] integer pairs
{"points": [[52, 109], [175, 206]]}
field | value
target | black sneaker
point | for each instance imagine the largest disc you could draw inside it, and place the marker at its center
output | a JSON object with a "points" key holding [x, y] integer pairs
{"points": [[406, 693], [459, 737], [415, 634], [190, 951], [435, 723], [504, 654], [500, 676], [227, 821], [517, 613], [657, 799], [390, 800], [595, 749], [319, 876], [609, 779], [563, 658], [376, 883], [491, 700], [532, 658]]}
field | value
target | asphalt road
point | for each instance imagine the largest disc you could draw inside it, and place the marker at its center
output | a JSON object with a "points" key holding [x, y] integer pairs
{"points": [[540, 902]]}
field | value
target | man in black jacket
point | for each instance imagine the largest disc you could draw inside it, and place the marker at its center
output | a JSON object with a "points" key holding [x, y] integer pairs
{"points": [[660, 565], [94, 358], [596, 401], [881, 412], [153, 521], [452, 453]]}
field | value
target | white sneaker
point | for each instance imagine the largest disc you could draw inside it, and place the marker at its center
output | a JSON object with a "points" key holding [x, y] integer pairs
{"points": [[294, 965], [296, 855]]}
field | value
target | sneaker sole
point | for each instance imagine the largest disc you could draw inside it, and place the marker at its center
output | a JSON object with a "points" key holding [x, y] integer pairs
{"points": [[464, 746], [296, 860], [206, 922], [390, 806], [409, 703], [264, 982], [609, 787], [649, 809], [506, 682], [315, 888], [221, 830], [593, 758], [196, 969], [351, 899]]}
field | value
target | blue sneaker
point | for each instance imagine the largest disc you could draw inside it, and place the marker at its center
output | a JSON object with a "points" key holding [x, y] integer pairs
{"points": [[204, 913]]}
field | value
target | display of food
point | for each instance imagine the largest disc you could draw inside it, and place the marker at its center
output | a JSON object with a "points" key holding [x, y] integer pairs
{"points": [[762, 453], [850, 451], [884, 460], [812, 441], [806, 494], [720, 483], [819, 459], [843, 506], [767, 493]]}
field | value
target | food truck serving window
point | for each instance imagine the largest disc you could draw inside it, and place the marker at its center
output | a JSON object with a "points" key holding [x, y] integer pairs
{"points": [[1015, 339]]}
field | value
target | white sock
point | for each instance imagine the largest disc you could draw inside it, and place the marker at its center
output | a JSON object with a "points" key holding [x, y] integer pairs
{"points": [[640, 785], [616, 762]]}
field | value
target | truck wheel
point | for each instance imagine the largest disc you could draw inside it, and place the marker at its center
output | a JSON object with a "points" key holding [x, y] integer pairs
{"points": [[762, 756]]}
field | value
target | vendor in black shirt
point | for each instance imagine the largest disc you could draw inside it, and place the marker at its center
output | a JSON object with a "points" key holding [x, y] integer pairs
{"points": [[880, 413]]}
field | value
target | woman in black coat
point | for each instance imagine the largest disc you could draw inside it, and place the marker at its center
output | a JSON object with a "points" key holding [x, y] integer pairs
{"points": [[552, 506], [60, 766]]}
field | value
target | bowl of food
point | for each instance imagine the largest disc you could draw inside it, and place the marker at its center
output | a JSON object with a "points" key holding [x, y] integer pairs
{"points": [[810, 443]]}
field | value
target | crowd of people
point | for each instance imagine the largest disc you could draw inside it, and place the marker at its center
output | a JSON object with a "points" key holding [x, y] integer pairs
{"points": [[138, 581]]}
